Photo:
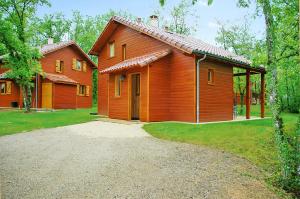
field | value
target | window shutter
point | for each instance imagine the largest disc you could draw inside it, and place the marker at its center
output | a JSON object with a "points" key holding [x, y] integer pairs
{"points": [[8, 87], [87, 91], [57, 66], [78, 89], [84, 66], [74, 64]]}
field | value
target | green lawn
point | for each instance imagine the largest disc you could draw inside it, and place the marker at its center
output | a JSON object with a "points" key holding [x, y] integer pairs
{"points": [[17, 121], [252, 140]]}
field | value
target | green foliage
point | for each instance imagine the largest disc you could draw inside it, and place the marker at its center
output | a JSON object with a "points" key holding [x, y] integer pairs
{"points": [[239, 40], [54, 26], [22, 59], [177, 18]]}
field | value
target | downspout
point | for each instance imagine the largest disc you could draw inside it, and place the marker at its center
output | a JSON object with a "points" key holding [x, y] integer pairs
{"points": [[198, 88]]}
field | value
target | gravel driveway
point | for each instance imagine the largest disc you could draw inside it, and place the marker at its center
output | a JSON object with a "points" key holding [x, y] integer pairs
{"points": [[110, 160]]}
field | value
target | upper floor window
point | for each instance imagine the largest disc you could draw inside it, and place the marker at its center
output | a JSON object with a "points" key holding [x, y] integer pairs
{"points": [[211, 76], [123, 52], [111, 49], [59, 66], [78, 65]]}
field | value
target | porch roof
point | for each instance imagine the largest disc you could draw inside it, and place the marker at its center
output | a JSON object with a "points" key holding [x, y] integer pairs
{"points": [[3, 75], [141, 61], [59, 78]]}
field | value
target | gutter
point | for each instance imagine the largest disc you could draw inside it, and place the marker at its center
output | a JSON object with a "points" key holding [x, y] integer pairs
{"points": [[245, 65], [198, 88]]}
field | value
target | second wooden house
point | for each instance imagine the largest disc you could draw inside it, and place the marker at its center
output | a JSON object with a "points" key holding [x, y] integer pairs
{"points": [[65, 83]]}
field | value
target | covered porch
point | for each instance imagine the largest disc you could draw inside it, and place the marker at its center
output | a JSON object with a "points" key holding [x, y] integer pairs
{"points": [[247, 72]]}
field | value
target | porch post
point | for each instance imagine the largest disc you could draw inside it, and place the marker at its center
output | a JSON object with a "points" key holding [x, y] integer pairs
{"points": [[262, 95], [247, 94]]}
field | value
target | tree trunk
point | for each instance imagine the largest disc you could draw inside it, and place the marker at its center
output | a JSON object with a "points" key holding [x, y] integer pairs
{"points": [[26, 91], [274, 101]]}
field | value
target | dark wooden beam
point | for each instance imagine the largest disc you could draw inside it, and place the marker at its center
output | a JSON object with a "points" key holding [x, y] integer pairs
{"points": [[243, 74], [248, 100], [262, 95]]}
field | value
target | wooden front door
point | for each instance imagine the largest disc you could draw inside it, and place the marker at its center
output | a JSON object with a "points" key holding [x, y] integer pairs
{"points": [[47, 95], [135, 97]]}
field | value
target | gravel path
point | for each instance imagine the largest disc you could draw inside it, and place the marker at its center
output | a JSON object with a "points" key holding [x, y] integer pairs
{"points": [[110, 160]]}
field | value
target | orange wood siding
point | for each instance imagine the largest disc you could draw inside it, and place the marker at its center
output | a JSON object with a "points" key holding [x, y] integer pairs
{"points": [[159, 90], [177, 96], [64, 96], [182, 98], [119, 107], [137, 44], [103, 94], [216, 101], [84, 78], [7, 99]]}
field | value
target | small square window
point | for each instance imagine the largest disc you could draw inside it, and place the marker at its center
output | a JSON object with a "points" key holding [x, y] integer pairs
{"points": [[111, 49], [210, 76]]}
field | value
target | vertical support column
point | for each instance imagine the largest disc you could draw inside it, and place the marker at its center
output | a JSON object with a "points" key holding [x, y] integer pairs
{"points": [[247, 94], [262, 95]]}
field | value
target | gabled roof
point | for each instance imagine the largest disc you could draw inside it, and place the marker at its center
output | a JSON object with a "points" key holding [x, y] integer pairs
{"points": [[59, 78], [49, 48], [184, 43], [138, 61]]}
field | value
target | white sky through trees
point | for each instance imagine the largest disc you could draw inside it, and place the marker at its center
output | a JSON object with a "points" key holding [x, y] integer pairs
{"points": [[224, 11]]}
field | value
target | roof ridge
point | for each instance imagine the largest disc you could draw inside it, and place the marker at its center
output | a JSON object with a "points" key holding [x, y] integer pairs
{"points": [[182, 42]]}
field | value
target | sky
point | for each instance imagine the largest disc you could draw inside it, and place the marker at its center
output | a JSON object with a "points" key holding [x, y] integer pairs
{"points": [[224, 11]]}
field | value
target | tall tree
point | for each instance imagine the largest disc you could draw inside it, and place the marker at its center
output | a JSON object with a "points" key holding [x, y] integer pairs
{"points": [[22, 59], [55, 26], [178, 17]]}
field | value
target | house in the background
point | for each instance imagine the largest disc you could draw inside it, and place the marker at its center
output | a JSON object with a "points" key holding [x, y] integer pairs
{"points": [[65, 83], [152, 74]]}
